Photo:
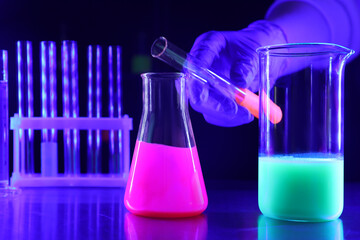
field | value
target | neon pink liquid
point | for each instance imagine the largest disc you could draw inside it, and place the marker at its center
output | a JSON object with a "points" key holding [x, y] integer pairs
{"points": [[165, 181]]}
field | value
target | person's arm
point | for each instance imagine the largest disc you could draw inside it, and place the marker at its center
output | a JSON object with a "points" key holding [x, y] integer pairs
{"points": [[233, 53], [328, 21]]}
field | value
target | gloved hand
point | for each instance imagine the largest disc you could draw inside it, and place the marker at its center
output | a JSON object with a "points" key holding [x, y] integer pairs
{"points": [[233, 55]]}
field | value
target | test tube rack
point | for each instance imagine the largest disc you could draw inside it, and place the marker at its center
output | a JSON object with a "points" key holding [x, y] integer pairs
{"points": [[21, 179], [24, 123]]}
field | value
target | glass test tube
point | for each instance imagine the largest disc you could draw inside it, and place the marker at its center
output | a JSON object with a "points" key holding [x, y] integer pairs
{"points": [[4, 122], [49, 164], [182, 61], [70, 79], [116, 165], [25, 103], [94, 103]]}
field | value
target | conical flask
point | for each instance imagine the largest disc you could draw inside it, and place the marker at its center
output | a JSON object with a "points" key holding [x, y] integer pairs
{"points": [[165, 178]]}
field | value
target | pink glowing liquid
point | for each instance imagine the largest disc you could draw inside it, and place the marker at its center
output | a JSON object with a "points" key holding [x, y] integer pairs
{"points": [[165, 181]]}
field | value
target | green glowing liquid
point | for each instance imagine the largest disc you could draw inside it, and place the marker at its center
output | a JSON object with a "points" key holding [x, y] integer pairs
{"points": [[301, 189]]}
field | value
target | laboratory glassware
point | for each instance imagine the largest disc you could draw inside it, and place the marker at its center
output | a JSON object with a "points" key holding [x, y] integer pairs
{"points": [[94, 107], [182, 61], [165, 177], [4, 125], [51, 173], [116, 165], [301, 158], [49, 162], [5, 189], [25, 103], [70, 80]]}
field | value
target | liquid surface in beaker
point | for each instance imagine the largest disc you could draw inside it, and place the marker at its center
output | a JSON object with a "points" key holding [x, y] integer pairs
{"points": [[166, 181], [301, 188]]}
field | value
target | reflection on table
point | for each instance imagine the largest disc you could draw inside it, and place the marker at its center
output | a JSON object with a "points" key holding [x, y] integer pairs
{"points": [[139, 228], [99, 213], [272, 229], [63, 213]]}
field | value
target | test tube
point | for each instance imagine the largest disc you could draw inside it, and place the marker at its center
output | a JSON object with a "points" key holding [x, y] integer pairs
{"points": [[69, 58], [4, 125], [115, 105], [49, 163], [94, 102], [182, 61], [25, 103], [121, 167]]}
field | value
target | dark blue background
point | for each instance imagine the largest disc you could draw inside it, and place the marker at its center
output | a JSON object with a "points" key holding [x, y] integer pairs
{"points": [[225, 153]]}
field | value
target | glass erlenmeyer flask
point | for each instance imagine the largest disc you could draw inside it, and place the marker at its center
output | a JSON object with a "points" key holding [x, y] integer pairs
{"points": [[165, 178], [301, 158]]}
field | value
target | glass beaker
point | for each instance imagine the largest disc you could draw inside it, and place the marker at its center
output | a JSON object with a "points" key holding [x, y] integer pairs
{"points": [[301, 167], [165, 178]]}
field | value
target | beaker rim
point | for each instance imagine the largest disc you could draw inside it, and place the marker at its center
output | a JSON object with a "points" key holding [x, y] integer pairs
{"points": [[304, 49], [162, 75]]}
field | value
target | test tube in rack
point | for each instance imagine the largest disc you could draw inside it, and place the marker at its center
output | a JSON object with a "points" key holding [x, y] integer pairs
{"points": [[49, 163], [115, 106], [70, 79], [25, 103], [94, 107]]}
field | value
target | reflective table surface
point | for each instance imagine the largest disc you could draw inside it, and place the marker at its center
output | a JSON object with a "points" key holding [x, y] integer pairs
{"points": [[99, 213]]}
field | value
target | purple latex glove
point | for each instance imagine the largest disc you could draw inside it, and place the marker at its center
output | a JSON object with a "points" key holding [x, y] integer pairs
{"points": [[233, 55]]}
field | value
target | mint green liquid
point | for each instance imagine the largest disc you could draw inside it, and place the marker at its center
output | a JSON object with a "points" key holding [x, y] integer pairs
{"points": [[301, 189]]}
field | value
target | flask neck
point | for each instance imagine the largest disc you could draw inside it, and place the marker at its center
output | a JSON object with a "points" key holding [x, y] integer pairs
{"points": [[164, 96], [165, 118]]}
